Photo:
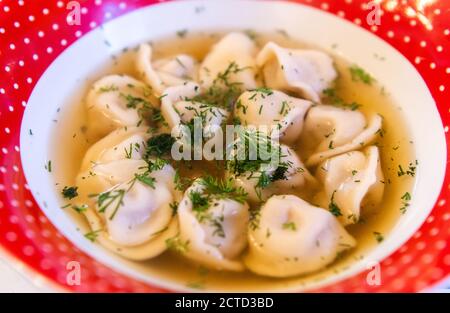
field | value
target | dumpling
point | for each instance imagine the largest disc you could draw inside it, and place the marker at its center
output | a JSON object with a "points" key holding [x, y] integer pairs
{"points": [[117, 101], [282, 114], [330, 131], [127, 200], [163, 73], [213, 227], [352, 182], [305, 72], [263, 178], [179, 110], [292, 237], [231, 61], [123, 143]]}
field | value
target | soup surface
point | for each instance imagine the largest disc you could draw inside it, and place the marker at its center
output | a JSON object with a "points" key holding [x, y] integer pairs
{"points": [[353, 90]]}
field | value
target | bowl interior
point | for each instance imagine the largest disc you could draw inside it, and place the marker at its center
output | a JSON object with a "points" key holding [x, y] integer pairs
{"points": [[66, 74]]}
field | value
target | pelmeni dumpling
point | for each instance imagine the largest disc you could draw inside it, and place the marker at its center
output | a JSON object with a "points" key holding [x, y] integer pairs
{"points": [[163, 73], [117, 101], [272, 177], [215, 235], [330, 131], [352, 182], [306, 72], [234, 56], [178, 110], [126, 204], [293, 237], [282, 114]]}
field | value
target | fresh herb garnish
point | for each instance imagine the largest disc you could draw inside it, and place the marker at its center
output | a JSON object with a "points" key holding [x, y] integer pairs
{"points": [[333, 207], [378, 236], [159, 145], [70, 192], [360, 75], [290, 226]]}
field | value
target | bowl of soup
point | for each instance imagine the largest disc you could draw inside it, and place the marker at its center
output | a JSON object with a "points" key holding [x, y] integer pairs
{"points": [[259, 146]]}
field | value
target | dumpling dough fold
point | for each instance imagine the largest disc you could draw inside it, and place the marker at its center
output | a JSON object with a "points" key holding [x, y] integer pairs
{"points": [[218, 236], [330, 131], [234, 57], [283, 115], [293, 237], [117, 101], [352, 181], [305, 72], [167, 72]]}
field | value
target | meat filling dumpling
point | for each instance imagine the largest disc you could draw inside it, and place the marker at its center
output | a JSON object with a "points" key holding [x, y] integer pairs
{"points": [[213, 221], [352, 182], [263, 176], [167, 72], [292, 237], [330, 131], [232, 58], [305, 72], [125, 199], [282, 114], [117, 101]]}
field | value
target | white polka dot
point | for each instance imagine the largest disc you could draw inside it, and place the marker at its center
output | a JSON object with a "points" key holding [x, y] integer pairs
{"points": [[60, 4], [427, 258], [446, 32], [21, 2], [413, 23], [341, 13], [374, 28], [412, 271], [47, 248], [45, 264], [29, 234], [92, 24], [11, 236], [432, 65], [63, 42], [35, 57], [31, 18], [441, 202], [430, 219], [28, 250], [12, 46], [45, 11], [406, 259], [7, 130], [446, 129], [390, 34], [11, 108], [6, 8], [391, 271], [441, 88], [77, 33], [84, 10], [406, 39], [41, 34], [2, 91], [108, 15], [417, 234], [440, 245], [7, 68], [437, 11], [324, 6], [434, 231], [98, 2], [396, 17], [13, 219], [29, 218], [398, 284], [16, 86], [21, 63], [5, 151], [16, 24], [49, 50], [26, 40], [55, 26], [439, 49], [357, 21], [2, 30], [15, 168], [29, 80]]}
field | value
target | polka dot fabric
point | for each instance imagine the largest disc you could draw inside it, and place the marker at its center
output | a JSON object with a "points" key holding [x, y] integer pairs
{"points": [[34, 33]]}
